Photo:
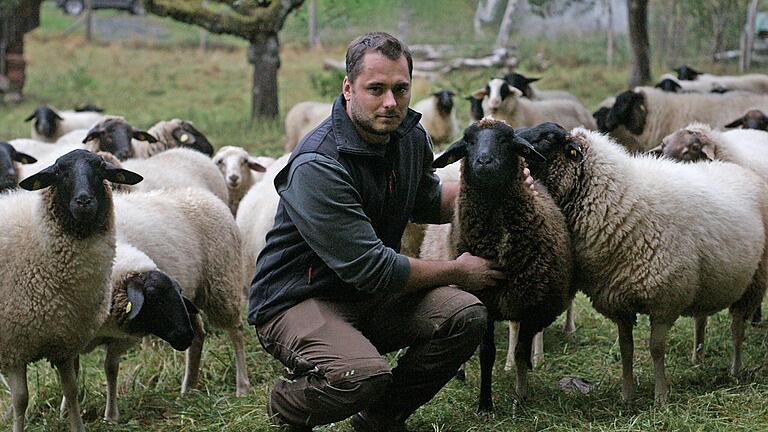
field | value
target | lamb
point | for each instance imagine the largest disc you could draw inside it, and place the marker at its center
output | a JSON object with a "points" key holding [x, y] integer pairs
{"points": [[640, 118], [504, 102], [179, 168], [255, 217], [50, 123], [523, 83], [191, 236], [9, 165], [752, 119], [240, 171], [499, 219], [171, 134], [143, 301], [641, 245], [438, 116], [301, 119], [757, 83], [55, 285]]}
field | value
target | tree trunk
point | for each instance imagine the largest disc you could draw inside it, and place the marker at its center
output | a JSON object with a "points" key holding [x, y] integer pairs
{"points": [[314, 38], [88, 20], [506, 25], [640, 54], [483, 14], [609, 33], [264, 55], [749, 38]]}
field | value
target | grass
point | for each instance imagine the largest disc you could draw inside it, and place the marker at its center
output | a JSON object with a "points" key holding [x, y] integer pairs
{"points": [[147, 81]]}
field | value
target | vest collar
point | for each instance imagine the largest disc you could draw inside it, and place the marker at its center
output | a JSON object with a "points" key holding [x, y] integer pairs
{"points": [[349, 141]]}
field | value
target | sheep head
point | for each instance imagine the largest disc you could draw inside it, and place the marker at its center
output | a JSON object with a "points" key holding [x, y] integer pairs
{"points": [[444, 101], [46, 120], [753, 119], [9, 173], [686, 72], [114, 135], [496, 93], [492, 154], [562, 154], [235, 165], [629, 111], [521, 83], [687, 145], [669, 85]]}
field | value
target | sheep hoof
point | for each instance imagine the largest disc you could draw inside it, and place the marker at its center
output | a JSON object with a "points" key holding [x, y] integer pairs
{"points": [[460, 375]]}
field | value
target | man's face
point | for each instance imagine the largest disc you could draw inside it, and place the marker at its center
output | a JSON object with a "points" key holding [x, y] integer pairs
{"points": [[378, 100]]}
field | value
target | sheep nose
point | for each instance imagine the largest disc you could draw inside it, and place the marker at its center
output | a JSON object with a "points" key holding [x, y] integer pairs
{"points": [[233, 178], [484, 159], [83, 200]]}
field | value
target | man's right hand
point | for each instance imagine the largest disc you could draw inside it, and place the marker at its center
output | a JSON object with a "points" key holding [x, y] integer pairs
{"points": [[477, 273]]}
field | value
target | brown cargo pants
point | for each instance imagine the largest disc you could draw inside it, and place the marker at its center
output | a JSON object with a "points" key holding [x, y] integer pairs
{"points": [[334, 351]]}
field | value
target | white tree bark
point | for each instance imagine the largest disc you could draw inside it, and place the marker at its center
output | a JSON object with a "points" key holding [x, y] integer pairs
{"points": [[506, 24], [749, 38], [484, 14]]}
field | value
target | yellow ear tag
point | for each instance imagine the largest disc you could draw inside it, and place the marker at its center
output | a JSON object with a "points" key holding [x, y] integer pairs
{"points": [[573, 153], [184, 138], [128, 307]]}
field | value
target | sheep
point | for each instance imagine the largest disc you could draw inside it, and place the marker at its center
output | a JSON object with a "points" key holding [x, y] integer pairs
{"points": [[179, 168], [752, 119], [301, 119], [9, 165], [438, 116], [640, 118], [757, 83], [504, 102], [143, 301], [191, 236], [171, 134], [523, 84], [499, 219], [670, 84], [641, 246], [50, 123], [475, 108], [255, 217], [54, 285], [115, 135], [240, 171], [601, 115]]}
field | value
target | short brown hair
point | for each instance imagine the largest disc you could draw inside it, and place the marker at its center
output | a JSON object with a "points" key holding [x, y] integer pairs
{"points": [[384, 43]]}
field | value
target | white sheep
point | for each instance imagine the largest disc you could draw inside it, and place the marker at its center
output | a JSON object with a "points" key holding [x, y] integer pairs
{"points": [[240, 171], [301, 119], [642, 246], [171, 134], [640, 118], [504, 102], [757, 83], [50, 123], [144, 301], [191, 235], [256, 215], [438, 116], [179, 168], [523, 83], [54, 285]]}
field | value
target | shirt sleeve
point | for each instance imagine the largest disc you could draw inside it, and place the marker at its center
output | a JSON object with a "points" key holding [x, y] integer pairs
{"points": [[325, 207], [427, 208]]}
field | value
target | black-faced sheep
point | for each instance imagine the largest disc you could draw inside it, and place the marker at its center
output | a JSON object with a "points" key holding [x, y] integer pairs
{"points": [[635, 245], [172, 134], [475, 107], [757, 83], [438, 116], [9, 165], [115, 135], [523, 83], [752, 119], [49, 124], [54, 286], [499, 219]]}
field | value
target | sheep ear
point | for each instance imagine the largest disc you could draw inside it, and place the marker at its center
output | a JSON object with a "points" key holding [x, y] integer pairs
{"points": [[709, 150], [183, 136], [527, 150], [573, 152], [135, 301], [120, 175], [93, 134], [23, 158], [31, 116], [143, 136], [736, 123], [657, 151], [42, 179], [191, 308], [254, 165], [515, 91], [455, 152], [479, 94], [531, 80]]}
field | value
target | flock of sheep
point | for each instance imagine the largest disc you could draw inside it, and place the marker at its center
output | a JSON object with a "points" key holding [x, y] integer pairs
{"points": [[118, 233]]}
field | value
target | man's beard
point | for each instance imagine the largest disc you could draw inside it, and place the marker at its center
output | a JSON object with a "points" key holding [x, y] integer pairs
{"points": [[367, 123]]}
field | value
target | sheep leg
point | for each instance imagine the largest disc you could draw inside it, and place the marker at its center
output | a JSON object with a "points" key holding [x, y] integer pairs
{"points": [[627, 347], [115, 352], [487, 358], [699, 331], [68, 378], [460, 374], [17, 381], [523, 359], [514, 327], [738, 318], [64, 405], [658, 347], [569, 326], [538, 349], [194, 353], [242, 382]]}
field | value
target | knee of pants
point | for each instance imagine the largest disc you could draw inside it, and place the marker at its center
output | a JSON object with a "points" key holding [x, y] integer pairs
{"points": [[352, 393], [469, 322]]}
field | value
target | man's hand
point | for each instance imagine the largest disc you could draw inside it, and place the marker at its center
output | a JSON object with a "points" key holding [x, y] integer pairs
{"points": [[477, 272]]}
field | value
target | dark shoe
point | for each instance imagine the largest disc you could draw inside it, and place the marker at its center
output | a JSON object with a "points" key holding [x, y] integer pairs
{"points": [[365, 422], [281, 424]]}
